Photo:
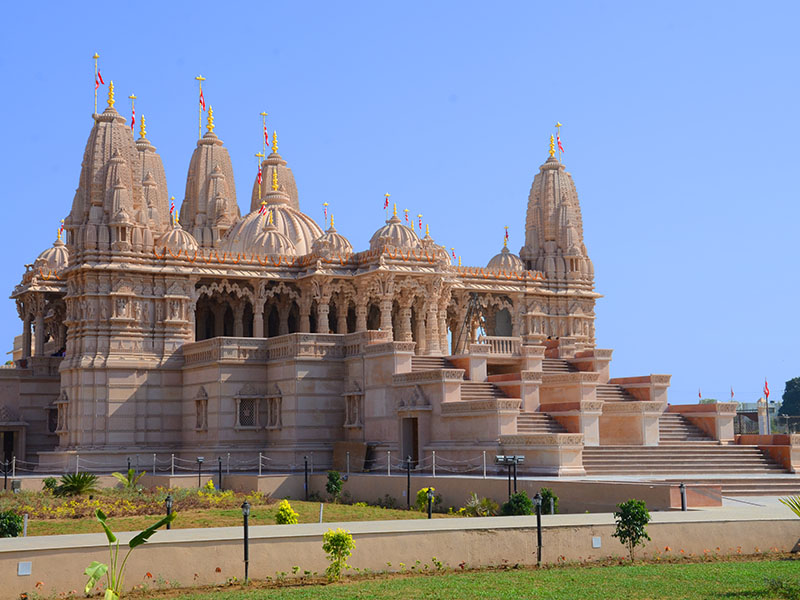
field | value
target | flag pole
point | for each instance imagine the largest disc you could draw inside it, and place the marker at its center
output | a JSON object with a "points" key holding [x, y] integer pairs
{"points": [[132, 98], [96, 56], [558, 133], [259, 158], [264, 133], [325, 207], [200, 79]]}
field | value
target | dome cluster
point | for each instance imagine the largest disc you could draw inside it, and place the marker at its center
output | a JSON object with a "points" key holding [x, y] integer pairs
{"points": [[177, 241], [506, 261]]}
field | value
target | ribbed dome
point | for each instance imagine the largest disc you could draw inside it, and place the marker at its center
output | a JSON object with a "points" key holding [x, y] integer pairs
{"points": [[333, 242], [506, 261], [177, 240], [298, 227], [54, 259], [394, 233], [271, 242]]}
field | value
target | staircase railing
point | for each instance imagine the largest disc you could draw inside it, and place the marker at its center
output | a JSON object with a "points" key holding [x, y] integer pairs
{"points": [[506, 346]]}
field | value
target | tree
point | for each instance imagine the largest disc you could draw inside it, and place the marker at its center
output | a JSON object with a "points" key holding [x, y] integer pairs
{"points": [[791, 398], [334, 484], [632, 518]]}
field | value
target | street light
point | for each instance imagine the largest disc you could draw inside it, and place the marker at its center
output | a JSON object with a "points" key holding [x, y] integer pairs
{"points": [[246, 516], [305, 477], [510, 460], [200, 460], [408, 482], [537, 500], [430, 501], [168, 502]]}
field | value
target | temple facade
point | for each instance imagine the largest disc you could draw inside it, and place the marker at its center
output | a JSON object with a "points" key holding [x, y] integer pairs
{"points": [[221, 333]]}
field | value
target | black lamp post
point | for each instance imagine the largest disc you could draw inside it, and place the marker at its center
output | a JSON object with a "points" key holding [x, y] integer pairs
{"points": [[219, 471], [305, 477], [5, 474], [430, 502], [200, 460], [408, 482], [129, 464], [246, 516], [537, 500], [168, 502]]}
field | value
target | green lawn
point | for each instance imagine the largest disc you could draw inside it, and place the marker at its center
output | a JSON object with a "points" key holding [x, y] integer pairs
{"points": [[716, 580], [224, 517]]}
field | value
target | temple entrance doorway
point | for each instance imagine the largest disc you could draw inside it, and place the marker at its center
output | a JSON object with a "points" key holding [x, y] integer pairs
{"points": [[411, 440]]}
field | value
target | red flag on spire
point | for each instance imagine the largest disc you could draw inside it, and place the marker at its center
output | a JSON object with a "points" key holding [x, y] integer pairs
{"points": [[133, 117], [266, 136], [386, 202], [506, 234], [263, 209], [98, 79], [202, 100], [171, 207], [454, 253], [766, 389], [731, 392], [699, 395], [420, 223], [558, 139], [259, 176]]}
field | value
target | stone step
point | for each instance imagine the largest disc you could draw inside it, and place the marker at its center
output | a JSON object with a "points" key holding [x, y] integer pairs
{"points": [[557, 365], [611, 392], [538, 423], [475, 390], [430, 363], [675, 427]]}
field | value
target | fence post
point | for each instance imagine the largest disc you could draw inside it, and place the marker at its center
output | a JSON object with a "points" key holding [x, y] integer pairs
{"points": [[312, 463], [348, 465], [259, 464], [154, 463], [228, 468], [434, 463], [172, 465], [388, 462], [77, 462], [13, 467], [484, 464], [137, 464]]}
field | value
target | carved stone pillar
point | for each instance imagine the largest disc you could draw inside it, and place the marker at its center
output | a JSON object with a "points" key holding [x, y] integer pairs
{"points": [[323, 308], [386, 314], [238, 319], [432, 329], [219, 319], [421, 345], [443, 330], [40, 335], [491, 320], [361, 315], [305, 314], [341, 316], [258, 319], [404, 326]]}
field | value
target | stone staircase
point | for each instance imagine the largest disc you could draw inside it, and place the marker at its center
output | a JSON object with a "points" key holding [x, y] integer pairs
{"points": [[430, 363], [611, 392], [476, 390], [557, 365], [686, 458], [538, 423], [674, 428]]}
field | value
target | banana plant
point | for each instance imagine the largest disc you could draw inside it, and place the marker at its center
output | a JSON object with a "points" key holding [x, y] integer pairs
{"points": [[113, 571]]}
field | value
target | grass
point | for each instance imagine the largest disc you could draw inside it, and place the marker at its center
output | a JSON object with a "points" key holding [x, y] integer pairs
{"points": [[225, 517], [715, 580]]}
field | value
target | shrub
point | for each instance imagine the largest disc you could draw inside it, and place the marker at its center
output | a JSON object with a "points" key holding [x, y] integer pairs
{"points": [[632, 519], [334, 484], [49, 484], [286, 514], [338, 545], [421, 502], [518, 504], [784, 588], [547, 494], [129, 479], [10, 524], [480, 507], [76, 484]]}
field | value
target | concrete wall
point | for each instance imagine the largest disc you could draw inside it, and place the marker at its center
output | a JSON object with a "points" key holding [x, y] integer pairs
{"points": [[210, 556]]}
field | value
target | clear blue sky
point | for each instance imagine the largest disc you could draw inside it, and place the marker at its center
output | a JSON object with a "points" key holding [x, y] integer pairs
{"points": [[680, 130]]}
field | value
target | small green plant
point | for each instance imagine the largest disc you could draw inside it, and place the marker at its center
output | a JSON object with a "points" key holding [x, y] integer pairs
{"points": [[209, 486], [115, 574], [286, 515], [77, 484], [49, 484], [518, 504], [632, 518], [334, 485], [547, 495], [129, 479], [784, 588], [361, 504], [793, 502], [479, 507], [10, 524], [338, 545]]}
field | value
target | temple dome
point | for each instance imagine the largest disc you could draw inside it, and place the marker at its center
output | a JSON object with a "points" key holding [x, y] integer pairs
{"points": [[506, 261], [299, 228], [394, 233], [333, 241], [271, 242], [177, 240], [54, 259]]}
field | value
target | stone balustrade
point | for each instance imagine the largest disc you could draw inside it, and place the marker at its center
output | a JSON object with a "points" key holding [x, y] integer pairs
{"points": [[504, 346]]}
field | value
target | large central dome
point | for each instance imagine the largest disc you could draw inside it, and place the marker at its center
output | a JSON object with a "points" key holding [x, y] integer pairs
{"points": [[299, 228]]}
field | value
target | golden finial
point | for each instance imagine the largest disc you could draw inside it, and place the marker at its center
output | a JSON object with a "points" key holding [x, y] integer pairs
{"points": [[269, 218], [60, 229], [459, 261], [275, 142], [505, 237], [275, 178], [263, 114], [427, 230], [395, 207], [142, 130], [558, 124], [552, 146], [210, 125], [96, 56], [111, 94], [331, 220]]}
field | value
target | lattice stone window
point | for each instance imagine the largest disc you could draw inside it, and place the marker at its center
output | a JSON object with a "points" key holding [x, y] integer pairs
{"points": [[247, 413]]}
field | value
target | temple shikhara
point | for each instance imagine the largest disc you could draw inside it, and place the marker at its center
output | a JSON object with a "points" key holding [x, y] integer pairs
{"points": [[221, 332]]}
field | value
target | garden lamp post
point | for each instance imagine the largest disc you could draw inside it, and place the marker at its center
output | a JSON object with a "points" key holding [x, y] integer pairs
{"points": [[537, 500], [245, 517], [200, 460], [305, 477], [408, 482], [219, 471], [129, 463], [430, 501], [168, 503]]}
